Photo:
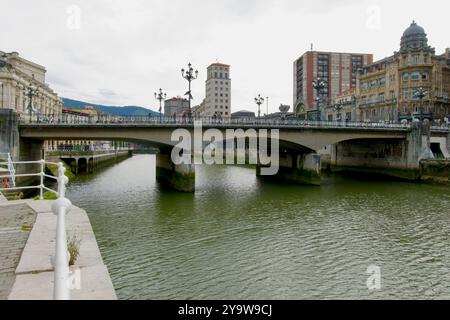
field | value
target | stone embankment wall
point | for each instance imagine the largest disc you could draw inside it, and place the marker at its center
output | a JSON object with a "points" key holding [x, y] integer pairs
{"points": [[435, 171]]}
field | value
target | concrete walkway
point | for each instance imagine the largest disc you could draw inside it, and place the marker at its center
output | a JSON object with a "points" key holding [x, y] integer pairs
{"points": [[16, 222], [34, 273]]}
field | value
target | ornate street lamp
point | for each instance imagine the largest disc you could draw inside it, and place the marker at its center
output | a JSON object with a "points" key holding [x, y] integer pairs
{"points": [[319, 85], [31, 92], [338, 107], [259, 101], [160, 96], [394, 102], [1, 96], [421, 93], [190, 76]]}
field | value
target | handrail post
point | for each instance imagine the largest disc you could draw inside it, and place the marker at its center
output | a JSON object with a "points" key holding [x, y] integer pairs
{"points": [[60, 208], [41, 186]]}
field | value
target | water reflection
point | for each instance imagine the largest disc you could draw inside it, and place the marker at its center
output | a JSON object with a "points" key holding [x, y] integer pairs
{"points": [[240, 237]]}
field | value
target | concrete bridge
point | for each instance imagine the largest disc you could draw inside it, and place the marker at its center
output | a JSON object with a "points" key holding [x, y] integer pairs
{"points": [[394, 150]]}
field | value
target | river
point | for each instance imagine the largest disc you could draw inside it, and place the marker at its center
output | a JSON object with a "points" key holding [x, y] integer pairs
{"points": [[239, 237]]}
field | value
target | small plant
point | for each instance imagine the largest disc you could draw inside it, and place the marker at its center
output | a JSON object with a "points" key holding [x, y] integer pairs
{"points": [[47, 196], [26, 227], [73, 246]]}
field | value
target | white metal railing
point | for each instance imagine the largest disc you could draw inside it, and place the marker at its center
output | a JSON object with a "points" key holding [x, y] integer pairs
{"points": [[61, 207], [10, 167]]}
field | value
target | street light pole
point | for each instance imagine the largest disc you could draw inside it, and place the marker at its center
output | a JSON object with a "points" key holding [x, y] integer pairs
{"points": [[394, 101], [259, 101], [31, 92], [338, 107], [160, 96], [1, 84], [319, 85], [420, 94], [190, 76]]}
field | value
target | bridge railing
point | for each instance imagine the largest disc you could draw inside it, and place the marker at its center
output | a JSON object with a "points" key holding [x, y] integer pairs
{"points": [[60, 208], [173, 121]]}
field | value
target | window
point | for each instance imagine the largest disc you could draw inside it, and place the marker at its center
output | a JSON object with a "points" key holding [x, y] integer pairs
{"points": [[405, 60], [416, 59], [373, 83], [425, 76], [405, 76], [382, 98], [405, 94], [382, 82], [373, 98], [364, 100], [415, 76]]}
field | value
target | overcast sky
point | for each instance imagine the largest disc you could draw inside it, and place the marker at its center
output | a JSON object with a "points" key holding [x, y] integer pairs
{"points": [[121, 52]]}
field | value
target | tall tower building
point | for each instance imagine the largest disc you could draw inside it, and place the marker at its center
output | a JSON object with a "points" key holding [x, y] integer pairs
{"points": [[338, 70], [218, 91]]}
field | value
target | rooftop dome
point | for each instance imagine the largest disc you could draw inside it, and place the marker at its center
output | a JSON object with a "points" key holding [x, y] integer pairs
{"points": [[414, 38]]}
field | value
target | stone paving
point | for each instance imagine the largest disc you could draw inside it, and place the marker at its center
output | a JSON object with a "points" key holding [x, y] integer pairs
{"points": [[16, 222]]}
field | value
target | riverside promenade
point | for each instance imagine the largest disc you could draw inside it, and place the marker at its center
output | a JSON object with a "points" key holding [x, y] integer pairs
{"points": [[27, 245]]}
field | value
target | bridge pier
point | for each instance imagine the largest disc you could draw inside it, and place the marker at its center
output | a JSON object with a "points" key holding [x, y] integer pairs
{"points": [[177, 177], [389, 157], [298, 168], [9, 133], [29, 150]]}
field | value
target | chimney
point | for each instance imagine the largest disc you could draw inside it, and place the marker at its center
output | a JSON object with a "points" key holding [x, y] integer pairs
{"points": [[447, 53]]}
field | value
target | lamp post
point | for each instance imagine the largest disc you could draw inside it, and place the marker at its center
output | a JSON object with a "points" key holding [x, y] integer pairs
{"points": [[394, 101], [420, 94], [259, 101], [160, 96], [319, 85], [190, 76], [31, 92], [1, 96], [338, 107]]}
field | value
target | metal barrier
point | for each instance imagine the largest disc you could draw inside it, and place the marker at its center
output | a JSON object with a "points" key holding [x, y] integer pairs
{"points": [[10, 167], [173, 121], [61, 207]]}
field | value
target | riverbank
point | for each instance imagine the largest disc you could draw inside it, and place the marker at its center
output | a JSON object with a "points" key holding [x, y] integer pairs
{"points": [[33, 276], [430, 171], [76, 163]]}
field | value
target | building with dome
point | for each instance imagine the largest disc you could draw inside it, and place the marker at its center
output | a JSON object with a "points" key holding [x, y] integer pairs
{"points": [[387, 90]]}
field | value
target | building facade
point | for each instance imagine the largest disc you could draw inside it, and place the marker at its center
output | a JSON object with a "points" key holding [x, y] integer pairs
{"points": [[176, 106], [16, 76], [343, 107], [339, 72], [387, 89], [218, 91]]}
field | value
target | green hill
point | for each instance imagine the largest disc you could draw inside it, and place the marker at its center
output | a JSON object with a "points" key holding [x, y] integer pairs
{"points": [[124, 111]]}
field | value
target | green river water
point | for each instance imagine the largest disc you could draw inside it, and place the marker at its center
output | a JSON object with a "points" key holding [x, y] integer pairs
{"points": [[239, 237]]}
